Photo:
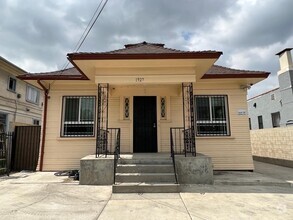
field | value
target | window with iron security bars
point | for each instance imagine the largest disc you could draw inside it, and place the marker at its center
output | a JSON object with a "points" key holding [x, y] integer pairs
{"points": [[78, 116], [163, 101], [211, 115]]}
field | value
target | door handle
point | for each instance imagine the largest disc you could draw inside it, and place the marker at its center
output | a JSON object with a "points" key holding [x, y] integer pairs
{"points": [[154, 125]]}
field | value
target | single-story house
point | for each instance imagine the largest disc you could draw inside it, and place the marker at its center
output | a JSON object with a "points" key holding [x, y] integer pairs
{"points": [[146, 90]]}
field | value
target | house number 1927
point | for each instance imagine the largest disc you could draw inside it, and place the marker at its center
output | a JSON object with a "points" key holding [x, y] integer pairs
{"points": [[139, 79]]}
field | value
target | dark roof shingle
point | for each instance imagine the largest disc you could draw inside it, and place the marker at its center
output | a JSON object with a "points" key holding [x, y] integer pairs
{"points": [[224, 72], [145, 50], [67, 74]]}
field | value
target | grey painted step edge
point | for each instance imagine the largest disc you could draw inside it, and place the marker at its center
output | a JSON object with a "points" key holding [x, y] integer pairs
{"points": [[145, 161], [145, 188], [145, 177], [145, 168]]}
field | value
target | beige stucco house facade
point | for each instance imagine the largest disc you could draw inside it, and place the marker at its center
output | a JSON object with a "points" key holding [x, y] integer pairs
{"points": [[21, 103], [144, 86]]}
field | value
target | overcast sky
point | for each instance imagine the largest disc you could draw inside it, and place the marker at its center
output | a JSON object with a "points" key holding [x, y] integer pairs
{"points": [[36, 35]]}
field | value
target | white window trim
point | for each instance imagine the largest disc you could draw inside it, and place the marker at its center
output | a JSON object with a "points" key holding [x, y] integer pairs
{"points": [[11, 90], [38, 94]]}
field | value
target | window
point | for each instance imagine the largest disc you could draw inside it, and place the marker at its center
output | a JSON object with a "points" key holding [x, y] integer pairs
{"points": [[32, 94], [249, 120], [276, 119], [36, 122], [272, 96], [126, 107], [3, 119], [12, 84], [260, 122], [163, 101], [78, 116], [211, 115]]}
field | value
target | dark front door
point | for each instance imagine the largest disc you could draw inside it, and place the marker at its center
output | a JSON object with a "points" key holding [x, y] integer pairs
{"points": [[144, 124]]}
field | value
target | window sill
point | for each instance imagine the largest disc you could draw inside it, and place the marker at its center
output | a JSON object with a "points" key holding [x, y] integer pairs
{"points": [[214, 137], [75, 138], [10, 90], [31, 102]]}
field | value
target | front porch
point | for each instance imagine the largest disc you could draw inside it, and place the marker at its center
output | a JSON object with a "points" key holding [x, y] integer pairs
{"points": [[145, 172]]}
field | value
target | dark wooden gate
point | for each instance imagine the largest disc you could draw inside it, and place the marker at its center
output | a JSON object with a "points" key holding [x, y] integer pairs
{"points": [[144, 124], [25, 152]]}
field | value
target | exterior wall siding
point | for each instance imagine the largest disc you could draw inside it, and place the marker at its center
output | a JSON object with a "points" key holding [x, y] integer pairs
{"points": [[232, 152], [64, 153]]}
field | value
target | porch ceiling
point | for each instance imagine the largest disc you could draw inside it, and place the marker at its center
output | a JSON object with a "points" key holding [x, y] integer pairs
{"points": [[152, 71]]}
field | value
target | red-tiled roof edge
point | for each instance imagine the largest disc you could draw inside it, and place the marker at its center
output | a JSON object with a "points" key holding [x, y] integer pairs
{"points": [[264, 93]]}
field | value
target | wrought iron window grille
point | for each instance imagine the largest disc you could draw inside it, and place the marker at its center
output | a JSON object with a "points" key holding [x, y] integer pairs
{"points": [[126, 108], [78, 116], [211, 115], [163, 102]]}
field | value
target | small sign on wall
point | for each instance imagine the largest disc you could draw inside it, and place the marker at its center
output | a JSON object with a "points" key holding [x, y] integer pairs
{"points": [[242, 112]]}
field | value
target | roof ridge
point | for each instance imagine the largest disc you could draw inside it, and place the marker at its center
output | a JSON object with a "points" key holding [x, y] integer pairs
{"points": [[142, 44]]}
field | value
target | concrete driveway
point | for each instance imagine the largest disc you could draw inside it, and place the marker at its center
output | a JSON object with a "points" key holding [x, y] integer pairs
{"points": [[44, 196]]}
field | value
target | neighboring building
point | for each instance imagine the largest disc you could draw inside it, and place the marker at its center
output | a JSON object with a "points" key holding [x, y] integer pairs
{"points": [[145, 89], [275, 107], [20, 102]]}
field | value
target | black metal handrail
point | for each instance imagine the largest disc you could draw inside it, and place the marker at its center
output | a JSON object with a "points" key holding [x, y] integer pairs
{"points": [[177, 140], [182, 142], [117, 150], [107, 141], [102, 139], [173, 154]]}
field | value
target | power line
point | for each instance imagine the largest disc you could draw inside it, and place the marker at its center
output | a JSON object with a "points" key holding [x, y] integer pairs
{"points": [[75, 48], [87, 30], [92, 25]]}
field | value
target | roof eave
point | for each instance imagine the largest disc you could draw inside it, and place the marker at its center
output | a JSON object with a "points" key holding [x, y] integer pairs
{"points": [[233, 76], [84, 76]]}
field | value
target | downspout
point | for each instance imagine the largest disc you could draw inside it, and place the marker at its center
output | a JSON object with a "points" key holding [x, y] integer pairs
{"points": [[46, 91]]}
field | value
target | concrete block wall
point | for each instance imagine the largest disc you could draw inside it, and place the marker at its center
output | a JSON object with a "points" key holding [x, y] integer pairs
{"points": [[274, 143]]}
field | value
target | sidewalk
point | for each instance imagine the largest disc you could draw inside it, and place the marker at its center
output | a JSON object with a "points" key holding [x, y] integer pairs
{"points": [[42, 195], [263, 175]]}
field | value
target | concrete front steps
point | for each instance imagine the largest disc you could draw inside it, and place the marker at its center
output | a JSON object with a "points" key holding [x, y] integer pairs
{"points": [[145, 175]]}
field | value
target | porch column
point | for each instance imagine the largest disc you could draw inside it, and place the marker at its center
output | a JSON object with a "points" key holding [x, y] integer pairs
{"points": [[102, 122], [188, 118]]}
